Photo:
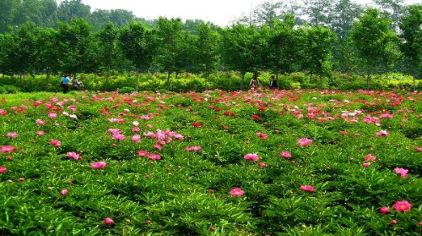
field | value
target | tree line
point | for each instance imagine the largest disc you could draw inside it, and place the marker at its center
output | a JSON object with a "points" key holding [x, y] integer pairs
{"points": [[318, 37]]}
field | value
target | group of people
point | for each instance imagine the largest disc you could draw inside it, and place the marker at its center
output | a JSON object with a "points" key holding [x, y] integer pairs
{"points": [[67, 81], [254, 83]]}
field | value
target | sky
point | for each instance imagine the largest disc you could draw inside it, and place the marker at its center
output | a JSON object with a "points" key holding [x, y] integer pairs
{"points": [[220, 12]]}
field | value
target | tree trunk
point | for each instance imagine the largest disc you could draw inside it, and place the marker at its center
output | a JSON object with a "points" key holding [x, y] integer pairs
{"points": [[242, 81], [168, 80], [367, 80]]}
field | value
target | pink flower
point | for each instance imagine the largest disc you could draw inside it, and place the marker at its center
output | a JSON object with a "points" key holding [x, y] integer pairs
{"points": [[7, 149], [307, 188], [382, 133], [136, 138], [251, 157], [3, 170], [52, 115], [304, 142], [419, 149], [40, 133], [262, 164], [237, 192], [193, 149], [3, 112], [178, 136], [143, 153], [136, 129], [39, 122], [370, 158], [386, 116], [262, 135], [384, 210], [366, 164], [402, 206], [393, 222], [64, 192], [402, 172], [154, 156], [149, 126], [98, 165], [108, 221], [286, 154], [55, 143], [420, 223], [158, 146], [118, 136], [12, 135], [73, 155]]}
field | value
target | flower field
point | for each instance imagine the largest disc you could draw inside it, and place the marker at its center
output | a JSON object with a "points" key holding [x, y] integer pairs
{"points": [[302, 162]]}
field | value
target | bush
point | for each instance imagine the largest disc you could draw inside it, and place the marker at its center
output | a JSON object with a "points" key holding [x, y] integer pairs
{"points": [[126, 90]]}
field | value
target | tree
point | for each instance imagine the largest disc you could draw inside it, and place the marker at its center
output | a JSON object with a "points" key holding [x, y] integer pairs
{"points": [[342, 16], [284, 46], [411, 36], [207, 49], [7, 11], [318, 11], [319, 43], [70, 9], [136, 44], [7, 45], [173, 53], [47, 54], [243, 48], [375, 41], [73, 44], [393, 9], [23, 54], [108, 48]]}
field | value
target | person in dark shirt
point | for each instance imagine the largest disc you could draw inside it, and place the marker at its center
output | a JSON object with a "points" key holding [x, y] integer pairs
{"points": [[273, 83]]}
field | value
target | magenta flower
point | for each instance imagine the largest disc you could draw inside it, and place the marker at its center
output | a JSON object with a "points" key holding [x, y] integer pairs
{"points": [[402, 172], [384, 210], [286, 154], [382, 133], [262, 135], [366, 164], [307, 188], [136, 138], [143, 153], [118, 136], [12, 135], [3, 170], [74, 156], [98, 165], [7, 149], [55, 143], [262, 164], [108, 221], [370, 158], [304, 142], [40, 133], [402, 206], [193, 149], [64, 192], [251, 157], [237, 192]]}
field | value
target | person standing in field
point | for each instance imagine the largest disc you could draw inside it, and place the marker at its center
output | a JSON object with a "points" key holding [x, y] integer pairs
{"points": [[254, 84], [273, 83], [64, 83]]}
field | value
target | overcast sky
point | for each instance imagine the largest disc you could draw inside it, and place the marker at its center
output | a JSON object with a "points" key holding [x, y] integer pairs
{"points": [[220, 12]]}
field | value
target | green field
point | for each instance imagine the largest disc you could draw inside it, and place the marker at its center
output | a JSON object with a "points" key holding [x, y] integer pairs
{"points": [[326, 162]]}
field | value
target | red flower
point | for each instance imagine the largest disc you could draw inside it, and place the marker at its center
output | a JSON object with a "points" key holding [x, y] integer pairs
{"points": [[197, 124]]}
